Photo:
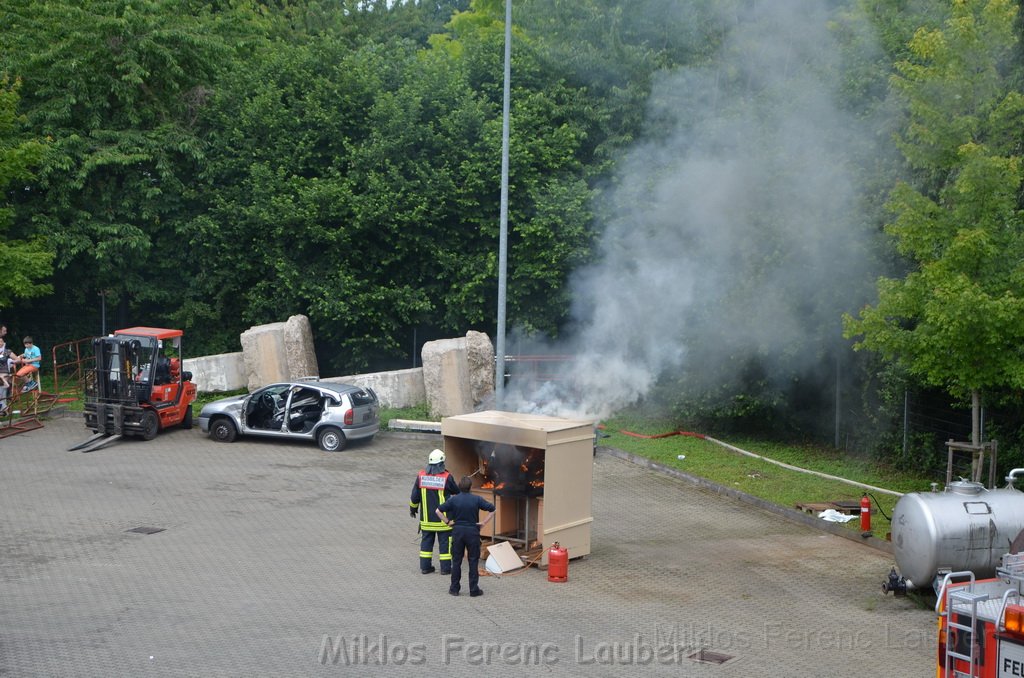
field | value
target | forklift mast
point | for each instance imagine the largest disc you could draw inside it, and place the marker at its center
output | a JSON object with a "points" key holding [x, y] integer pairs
{"points": [[123, 372]]}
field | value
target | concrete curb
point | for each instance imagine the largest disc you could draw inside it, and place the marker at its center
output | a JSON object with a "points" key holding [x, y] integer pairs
{"points": [[410, 435], [789, 514]]}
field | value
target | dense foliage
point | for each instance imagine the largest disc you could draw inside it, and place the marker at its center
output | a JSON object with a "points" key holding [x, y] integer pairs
{"points": [[214, 165]]}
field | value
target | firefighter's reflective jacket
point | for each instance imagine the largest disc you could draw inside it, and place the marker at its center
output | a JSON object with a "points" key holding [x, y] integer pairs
{"points": [[429, 492]]}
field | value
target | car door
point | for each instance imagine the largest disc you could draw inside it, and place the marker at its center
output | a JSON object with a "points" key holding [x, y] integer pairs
{"points": [[263, 411], [305, 408]]}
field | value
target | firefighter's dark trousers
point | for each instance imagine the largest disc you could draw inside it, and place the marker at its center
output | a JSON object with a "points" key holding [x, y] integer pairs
{"points": [[444, 549], [465, 541]]}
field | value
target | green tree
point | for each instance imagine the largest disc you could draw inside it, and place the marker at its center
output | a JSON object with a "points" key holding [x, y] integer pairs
{"points": [[360, 186], [290, 226], [117, 86], [27, 262], [956, 319]]}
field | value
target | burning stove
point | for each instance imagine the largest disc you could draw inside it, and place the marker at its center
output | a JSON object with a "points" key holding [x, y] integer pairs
{"points": [[537, 470]]}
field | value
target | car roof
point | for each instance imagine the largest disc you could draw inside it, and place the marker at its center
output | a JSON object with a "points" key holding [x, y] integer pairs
{"points": [[332, 386]]}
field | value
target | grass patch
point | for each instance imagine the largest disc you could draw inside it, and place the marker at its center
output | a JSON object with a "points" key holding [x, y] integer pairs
{"points": [[418, 413], [206, 397], [763, 479]]}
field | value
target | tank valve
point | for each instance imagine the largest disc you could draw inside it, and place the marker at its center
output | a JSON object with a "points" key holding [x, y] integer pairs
{"points": [[895, 583]]}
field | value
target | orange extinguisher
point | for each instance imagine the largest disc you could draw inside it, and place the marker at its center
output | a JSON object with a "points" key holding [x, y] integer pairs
{"points": [[558, 563], [865, 513]]}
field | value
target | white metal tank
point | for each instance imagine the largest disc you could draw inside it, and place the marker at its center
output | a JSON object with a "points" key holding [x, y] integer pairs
{"points": [[966, 527]]}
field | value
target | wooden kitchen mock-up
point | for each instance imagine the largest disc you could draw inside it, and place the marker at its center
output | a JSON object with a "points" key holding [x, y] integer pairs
{"points": [[536, 469]]}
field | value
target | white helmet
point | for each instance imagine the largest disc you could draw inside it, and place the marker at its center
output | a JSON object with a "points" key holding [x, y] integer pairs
{"points": [[436, 457]]}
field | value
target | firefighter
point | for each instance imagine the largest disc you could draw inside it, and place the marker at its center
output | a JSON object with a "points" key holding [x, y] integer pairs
{"points": [[432, 487]]}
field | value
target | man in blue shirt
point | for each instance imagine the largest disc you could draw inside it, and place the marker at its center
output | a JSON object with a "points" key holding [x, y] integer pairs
{"points": [[463, 513]]}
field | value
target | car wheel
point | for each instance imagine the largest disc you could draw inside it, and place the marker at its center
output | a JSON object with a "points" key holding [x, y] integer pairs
{"points": [[150, 424], [223, 431], [330, 439], [186, 422]]}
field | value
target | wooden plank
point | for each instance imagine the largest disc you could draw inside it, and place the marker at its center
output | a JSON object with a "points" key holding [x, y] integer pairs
{"points": [[848, 507], [814, 507]]}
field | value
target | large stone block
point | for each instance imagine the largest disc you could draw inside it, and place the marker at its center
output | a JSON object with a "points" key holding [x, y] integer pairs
{"points": [[279, 352], [458, 374], [480, 360], [446, 377], [300, 354]]}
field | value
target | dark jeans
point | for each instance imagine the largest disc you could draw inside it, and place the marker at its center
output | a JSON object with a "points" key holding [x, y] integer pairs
{"points": [[466, 540]]}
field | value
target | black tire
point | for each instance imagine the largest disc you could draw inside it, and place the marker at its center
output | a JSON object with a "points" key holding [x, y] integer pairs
{"points": [[186, 422], [223, 430], [330, 439], [150, 424]]}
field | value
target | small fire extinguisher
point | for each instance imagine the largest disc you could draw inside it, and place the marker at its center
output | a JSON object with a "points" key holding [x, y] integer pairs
{"points": [[865, 513], [558, 563]]}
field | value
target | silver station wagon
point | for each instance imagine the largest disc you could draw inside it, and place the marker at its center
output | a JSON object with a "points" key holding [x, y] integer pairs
{"points": [[331, 414]]}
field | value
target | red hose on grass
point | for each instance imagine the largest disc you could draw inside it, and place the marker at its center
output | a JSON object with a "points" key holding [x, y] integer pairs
{"points": [[664, 435], [659, 435]]}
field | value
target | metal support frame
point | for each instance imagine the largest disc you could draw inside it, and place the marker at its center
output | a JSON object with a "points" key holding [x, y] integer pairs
{"points": [[978, 452]]}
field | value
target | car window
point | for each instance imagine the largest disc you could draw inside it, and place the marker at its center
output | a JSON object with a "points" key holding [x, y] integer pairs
{"points": [[366, 397], [304, 397]]}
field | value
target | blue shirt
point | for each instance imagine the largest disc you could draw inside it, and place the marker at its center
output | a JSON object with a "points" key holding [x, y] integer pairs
{"points": [[465, 508], [33, 355]]}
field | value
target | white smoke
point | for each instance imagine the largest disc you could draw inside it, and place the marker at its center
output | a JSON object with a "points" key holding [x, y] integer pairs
{"points": [[735, 231]]}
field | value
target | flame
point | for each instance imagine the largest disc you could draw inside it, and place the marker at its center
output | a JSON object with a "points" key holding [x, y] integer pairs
{"points": [[528, 474]]}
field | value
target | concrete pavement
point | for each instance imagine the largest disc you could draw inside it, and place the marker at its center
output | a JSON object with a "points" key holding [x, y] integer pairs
{"points": [[283, 560]]}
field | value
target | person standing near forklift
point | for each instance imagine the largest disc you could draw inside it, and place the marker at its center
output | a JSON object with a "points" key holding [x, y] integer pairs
{"points": [[6, 361], [432, 488]]}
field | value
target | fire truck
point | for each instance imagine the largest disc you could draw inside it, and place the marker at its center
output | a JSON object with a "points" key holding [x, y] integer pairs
{"points": [[981, 623]]}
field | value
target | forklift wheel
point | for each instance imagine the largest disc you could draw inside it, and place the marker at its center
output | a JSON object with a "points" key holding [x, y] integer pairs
{"points": [[186, 422], [150, 425]]}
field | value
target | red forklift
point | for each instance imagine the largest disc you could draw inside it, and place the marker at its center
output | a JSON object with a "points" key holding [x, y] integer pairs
{"points": [[137, 386]]}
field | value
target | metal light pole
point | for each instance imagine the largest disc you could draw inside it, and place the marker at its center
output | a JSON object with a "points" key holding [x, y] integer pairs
{"points": [[103, 313], [499, 369]]}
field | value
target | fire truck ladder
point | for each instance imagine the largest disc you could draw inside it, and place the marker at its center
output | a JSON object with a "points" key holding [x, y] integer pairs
{"points": [[964, 602]]}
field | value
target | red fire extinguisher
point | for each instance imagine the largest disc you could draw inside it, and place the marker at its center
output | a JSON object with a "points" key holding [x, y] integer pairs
{"points": [[558, 563], [865, 513]]}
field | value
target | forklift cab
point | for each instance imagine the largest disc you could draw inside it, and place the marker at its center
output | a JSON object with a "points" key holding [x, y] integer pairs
{"points": [[140, 365]]}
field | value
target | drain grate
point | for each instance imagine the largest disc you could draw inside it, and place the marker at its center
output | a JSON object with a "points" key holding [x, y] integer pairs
{"points": [[709, 657], [146, 530]]}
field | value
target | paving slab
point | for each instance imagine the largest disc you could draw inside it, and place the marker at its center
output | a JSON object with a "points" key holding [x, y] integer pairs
{"points": [[283, 560]]}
